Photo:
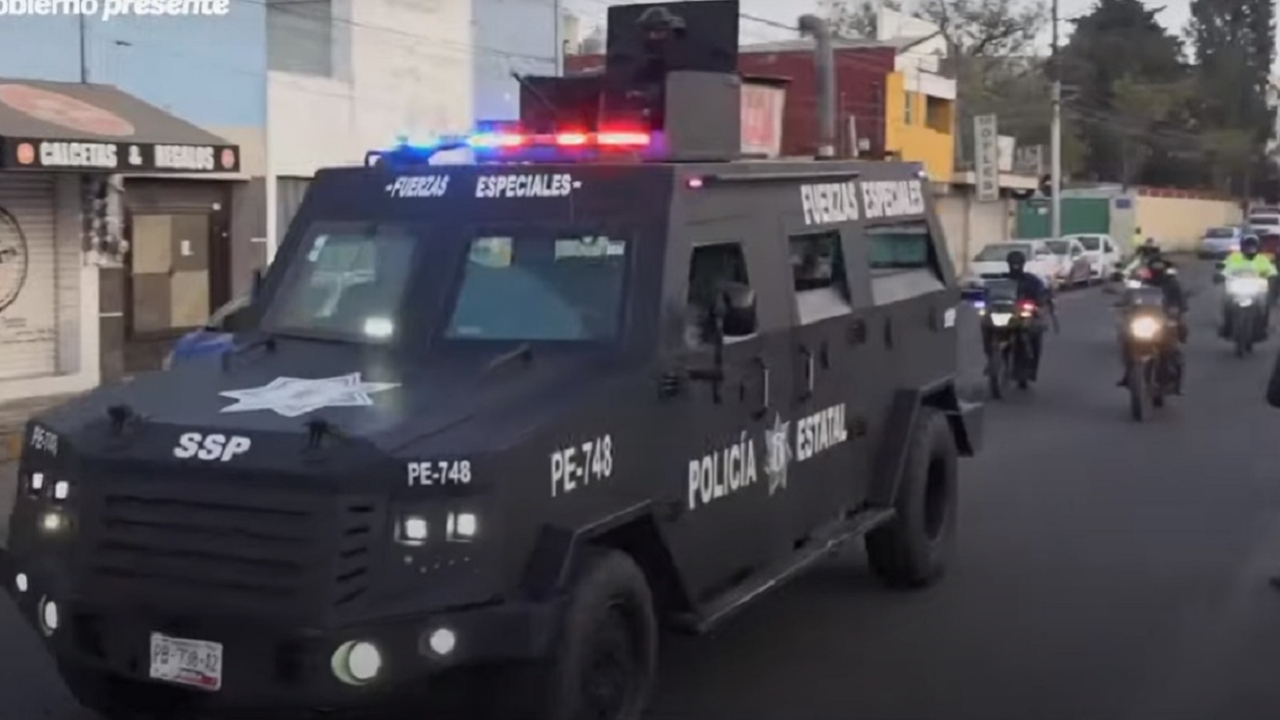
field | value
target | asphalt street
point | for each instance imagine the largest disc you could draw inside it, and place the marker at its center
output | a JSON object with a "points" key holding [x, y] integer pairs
{"points": [[1107, 571]]}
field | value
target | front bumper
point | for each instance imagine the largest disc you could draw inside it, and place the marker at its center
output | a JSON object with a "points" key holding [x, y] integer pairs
{"points": [[269, 669]]}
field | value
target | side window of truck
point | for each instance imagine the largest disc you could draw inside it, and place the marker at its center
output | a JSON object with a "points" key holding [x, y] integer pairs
{"points": [[901, 247], [710, 266], [818, 276]]}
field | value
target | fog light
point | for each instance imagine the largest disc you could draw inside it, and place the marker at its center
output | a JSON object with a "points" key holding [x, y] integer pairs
{"points": [[442, 641], [48, 616], [61, 490], [462, 526], [357, 662], [53, 522], [20, 582], [37, 482]]}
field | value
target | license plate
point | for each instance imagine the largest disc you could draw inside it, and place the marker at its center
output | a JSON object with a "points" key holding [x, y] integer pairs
{"points": [[194, 663], [1001, 319]]}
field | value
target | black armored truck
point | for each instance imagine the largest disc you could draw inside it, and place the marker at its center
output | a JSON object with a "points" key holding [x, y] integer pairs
{"points": [[499, 420]]}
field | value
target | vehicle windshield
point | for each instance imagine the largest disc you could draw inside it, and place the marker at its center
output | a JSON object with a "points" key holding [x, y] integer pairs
{"points": [[1058, 247], [347, 281], [540, 287], [1090, 242], [1220, 232], [1002, 291], [367, 283], [999, 252]]}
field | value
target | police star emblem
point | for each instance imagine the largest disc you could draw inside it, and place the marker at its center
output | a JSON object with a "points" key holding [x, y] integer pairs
{"points": [[293, 397], [777, 443]]}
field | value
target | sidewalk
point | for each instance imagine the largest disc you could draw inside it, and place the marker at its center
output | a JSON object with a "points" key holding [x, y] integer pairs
{"points": [[13, 421]]}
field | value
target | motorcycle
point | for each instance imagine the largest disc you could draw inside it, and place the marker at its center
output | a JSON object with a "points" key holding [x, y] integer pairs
{"points": [[1151, 336], [1247, 299], [1004, 319]]}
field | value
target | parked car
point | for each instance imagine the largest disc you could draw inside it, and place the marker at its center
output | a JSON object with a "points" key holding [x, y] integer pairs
{"points": [[1102, 252], [991, 262], [212, 339], [1219, 242], [1073, 267], [1264, 222]]}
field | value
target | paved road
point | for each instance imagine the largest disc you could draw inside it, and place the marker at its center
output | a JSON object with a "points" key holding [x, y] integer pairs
{"points": [[1108, 571]]}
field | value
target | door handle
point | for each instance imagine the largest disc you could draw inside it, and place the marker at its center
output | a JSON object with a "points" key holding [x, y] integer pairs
{"points": [[808, 373], [766, 391]]}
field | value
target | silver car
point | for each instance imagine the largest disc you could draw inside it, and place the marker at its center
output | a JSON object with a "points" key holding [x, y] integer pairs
{"points": [[1219, 242]]}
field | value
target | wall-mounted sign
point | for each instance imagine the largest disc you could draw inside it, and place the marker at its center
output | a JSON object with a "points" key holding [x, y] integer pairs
{"points": [[116, 157], [986, 158]]}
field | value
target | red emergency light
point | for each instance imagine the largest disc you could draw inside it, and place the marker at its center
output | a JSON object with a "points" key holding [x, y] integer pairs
{"points": [[620, 139]]}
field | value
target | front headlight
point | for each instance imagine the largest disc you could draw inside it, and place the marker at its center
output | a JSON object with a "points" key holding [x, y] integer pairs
{"points": [[1144, 328], [412, 530], [1246, 286], [462, 527]]}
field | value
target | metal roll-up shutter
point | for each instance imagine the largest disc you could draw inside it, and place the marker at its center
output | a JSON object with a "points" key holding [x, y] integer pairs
{"points": [[28, 277]]}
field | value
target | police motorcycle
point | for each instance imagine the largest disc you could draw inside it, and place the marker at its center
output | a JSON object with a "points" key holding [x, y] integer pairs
{"points": [[1149, 332], [1004, 320], [1247, 296]]}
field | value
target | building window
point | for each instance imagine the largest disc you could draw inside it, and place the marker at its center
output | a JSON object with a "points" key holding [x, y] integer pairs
{"points": [[300, 36], [938, 114], [908, 100]]}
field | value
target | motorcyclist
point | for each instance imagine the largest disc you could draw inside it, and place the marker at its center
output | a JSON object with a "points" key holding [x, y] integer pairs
{"points": [[1141, 254], [1248, 260], [1156, 271], [1029, 287]]}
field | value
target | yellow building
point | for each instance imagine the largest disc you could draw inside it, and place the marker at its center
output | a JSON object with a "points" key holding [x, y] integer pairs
{"points": [[920, 120]]}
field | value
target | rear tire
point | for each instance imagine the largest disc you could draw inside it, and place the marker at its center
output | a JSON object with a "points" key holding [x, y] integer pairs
{"points": [[912, 551]]}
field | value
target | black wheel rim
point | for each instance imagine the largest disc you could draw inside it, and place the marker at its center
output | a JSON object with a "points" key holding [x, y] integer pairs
{"points": [[610, 679]]}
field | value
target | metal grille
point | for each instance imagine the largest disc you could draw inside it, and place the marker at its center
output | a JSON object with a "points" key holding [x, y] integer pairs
{"points": [[262, 551]]}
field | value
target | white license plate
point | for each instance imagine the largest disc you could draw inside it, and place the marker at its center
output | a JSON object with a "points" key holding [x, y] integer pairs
{"points": [[194, 663], [1000, 319]]}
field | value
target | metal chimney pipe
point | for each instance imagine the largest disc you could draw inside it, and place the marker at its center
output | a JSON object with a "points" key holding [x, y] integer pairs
{"points": [[824, 65]]}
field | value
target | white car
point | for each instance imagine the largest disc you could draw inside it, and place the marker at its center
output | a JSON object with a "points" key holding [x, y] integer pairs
{"points": [[992, 261], [1264, 221], [1101, 251]]}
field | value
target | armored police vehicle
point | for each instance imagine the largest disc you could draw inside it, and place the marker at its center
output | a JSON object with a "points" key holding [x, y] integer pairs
{"points": [[500, 421]]}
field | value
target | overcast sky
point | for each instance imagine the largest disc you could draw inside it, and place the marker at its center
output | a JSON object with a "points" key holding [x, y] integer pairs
{"points": [[784, 12]]}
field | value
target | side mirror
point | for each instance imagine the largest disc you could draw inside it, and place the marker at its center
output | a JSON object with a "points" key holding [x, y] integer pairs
{"points": [[256, 287], [739, 310]]}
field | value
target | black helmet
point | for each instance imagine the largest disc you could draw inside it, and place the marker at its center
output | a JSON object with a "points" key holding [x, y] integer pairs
{"points": [[1017, 260], [1249, 245]]}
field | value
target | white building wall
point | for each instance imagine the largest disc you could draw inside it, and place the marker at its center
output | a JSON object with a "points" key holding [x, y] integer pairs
{"points": [[407, 71]]}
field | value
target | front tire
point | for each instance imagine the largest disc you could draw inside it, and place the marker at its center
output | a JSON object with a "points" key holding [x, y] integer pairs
{"points": [[606, 660], [1138, 391], [912, 551]]}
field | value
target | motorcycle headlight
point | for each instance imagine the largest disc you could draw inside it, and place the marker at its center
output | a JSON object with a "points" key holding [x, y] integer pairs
{"points": [[1246, 286], [1144, 328]]}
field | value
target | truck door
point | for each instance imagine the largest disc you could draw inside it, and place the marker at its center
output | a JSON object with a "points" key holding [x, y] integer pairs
{"points": [[820, 407], [719, 430]]}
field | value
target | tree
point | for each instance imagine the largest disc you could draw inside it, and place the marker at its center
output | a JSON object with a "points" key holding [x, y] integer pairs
{"points": [[855, 19], [1116, 48], [1141, 109], [987, 28]]}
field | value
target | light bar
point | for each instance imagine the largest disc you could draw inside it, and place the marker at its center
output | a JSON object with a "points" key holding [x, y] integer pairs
{"points": [[506, 142]]}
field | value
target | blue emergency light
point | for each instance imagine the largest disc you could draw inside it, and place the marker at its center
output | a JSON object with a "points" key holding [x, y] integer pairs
{"points": [[510, 144]]}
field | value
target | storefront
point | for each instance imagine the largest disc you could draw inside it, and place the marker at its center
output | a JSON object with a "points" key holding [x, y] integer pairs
{"points": [[64, 320]]}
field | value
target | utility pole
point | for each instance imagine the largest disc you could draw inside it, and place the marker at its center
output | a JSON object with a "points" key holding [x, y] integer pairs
{"points": [[84, 56], [1055, 135]]}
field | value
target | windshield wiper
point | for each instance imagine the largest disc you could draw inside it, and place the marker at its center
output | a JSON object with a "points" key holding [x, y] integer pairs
{"points": [[523, 353]]}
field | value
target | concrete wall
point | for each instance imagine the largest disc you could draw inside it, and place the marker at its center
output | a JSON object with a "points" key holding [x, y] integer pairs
{"points": [[916, 141], [510, 35], [410, 75], [970, 225], [1177, 221]]}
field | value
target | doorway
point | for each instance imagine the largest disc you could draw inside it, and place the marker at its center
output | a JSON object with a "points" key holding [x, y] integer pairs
{"points": [[169, 288]]}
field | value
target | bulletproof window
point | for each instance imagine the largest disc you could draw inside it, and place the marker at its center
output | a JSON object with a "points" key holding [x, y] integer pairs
{"points": [[901, 247], [710, 267], [541, 286], [818, 276], [346, 284]]}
